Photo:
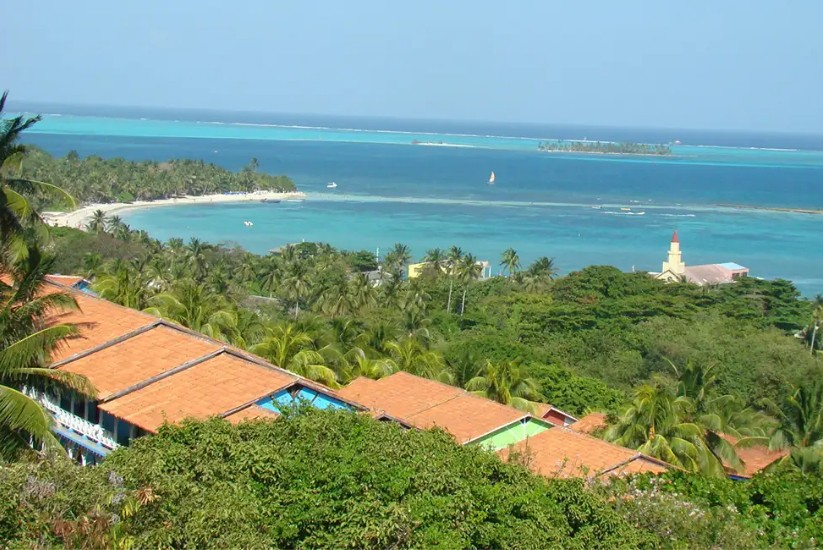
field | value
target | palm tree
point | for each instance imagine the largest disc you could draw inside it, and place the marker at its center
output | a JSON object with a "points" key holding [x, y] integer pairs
{"points": [[410, 356], [296, 283], [196, 256], [656, 424], [506, 383], [464, 367], [397, 258], [361, 293], [363, 365], [292, 349], [26, 343], [97, 223], [817, 317], [510, 261], [453, 258], [20, 223], [377, 337], [468, 270], [114, 223], [189, 304], [436, 261], [543, 267], [801, 419], [123, 284], [718, 415]]}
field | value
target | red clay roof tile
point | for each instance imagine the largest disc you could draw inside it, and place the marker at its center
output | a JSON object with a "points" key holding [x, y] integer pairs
{"points": [[561, 452], [592, 422], [209, 388], [139, 358], [252, 412]]}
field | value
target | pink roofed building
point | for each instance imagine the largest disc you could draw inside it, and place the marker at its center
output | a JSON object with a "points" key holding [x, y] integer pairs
{"points": [[675, 269]]}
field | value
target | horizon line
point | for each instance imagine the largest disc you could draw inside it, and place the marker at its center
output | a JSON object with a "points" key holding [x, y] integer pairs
{"points": [[13, 101]]}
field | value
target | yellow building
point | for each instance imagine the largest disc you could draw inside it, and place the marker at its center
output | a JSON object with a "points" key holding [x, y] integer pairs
{"points": [[416, 270], [675, 269]]}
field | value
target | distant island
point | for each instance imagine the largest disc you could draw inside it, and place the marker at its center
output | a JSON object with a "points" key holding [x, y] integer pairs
{"points": [[604, 148]]}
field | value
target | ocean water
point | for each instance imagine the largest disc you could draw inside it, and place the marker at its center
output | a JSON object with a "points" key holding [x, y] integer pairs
{"points": [[566, 206]]}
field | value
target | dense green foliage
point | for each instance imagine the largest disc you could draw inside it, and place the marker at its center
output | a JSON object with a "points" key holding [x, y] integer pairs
{"points": [[781, 509], [25, 340], [318, 479], [605, 147], [312, 480], [98, 180], [587, 338]]}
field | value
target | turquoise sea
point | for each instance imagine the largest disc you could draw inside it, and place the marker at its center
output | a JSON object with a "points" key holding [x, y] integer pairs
{"points": [[568, 206]]}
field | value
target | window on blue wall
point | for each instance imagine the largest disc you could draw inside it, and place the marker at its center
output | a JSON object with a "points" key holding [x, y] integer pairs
{"points": [[94, 413], [123, 432], [79, 405], [107, 421], [65, 400]]}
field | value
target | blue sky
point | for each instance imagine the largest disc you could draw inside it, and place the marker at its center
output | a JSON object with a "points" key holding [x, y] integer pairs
{"points": [[698, 64]]}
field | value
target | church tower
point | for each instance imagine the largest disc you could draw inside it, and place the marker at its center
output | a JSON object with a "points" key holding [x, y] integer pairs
{"points": [[675, 262]]}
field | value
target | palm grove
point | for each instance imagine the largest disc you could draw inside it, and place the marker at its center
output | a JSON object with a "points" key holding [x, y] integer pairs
{"points": [[675, 366]]}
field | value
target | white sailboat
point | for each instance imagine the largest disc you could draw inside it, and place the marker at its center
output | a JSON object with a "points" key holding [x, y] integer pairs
{"points": [[491, 178]]}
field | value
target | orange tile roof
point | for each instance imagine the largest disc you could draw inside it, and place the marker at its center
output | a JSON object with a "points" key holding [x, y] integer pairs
{"points": [[542, 409], [146, 355], [252, 412], [467, 417], [425, 403], [590, 423], [401, 394], [360, 387], [99, 321], [754, 458], [209, 388], [561, 452]]}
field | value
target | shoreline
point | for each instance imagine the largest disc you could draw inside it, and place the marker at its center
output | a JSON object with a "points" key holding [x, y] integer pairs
{"points": [[79, 218]]}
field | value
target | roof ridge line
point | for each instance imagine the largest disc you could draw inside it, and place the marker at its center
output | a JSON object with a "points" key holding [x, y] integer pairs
{"points": [[430, 407], [107, 344], [163, 375]]}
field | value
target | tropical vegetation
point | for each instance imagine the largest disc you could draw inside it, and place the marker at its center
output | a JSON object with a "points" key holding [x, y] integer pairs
{"points": [[320, 479], [604, 147], [689, 375], [93, 179]]}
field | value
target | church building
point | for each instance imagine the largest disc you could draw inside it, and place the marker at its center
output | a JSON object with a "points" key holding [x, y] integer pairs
{"points": [[675, 269]]}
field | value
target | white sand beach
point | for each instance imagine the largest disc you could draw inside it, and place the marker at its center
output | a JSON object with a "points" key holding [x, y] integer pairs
{"points": [[80, 217]]}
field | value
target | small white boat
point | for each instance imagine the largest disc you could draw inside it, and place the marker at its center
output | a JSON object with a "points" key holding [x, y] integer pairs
{"points": [[625, 209], [248, 223], [491, 178], [331, 185]]}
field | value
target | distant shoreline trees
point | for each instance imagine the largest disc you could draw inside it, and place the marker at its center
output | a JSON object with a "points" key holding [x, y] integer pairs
{"points": [[97, 180], [605, 147]]}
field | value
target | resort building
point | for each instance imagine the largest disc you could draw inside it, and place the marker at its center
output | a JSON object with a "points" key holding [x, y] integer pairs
{"points": [[416, 270], [148, 371], [675, 270], [423, 403]]}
